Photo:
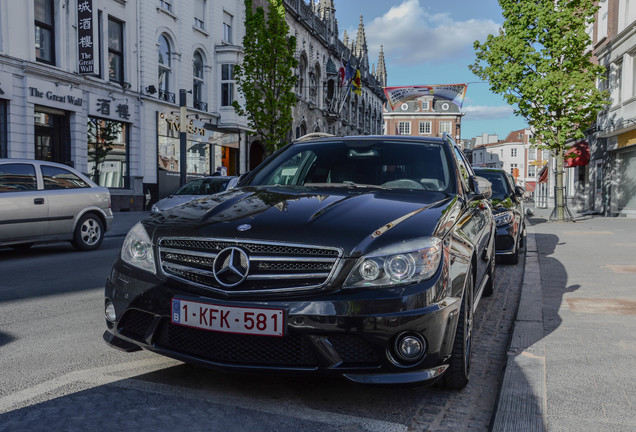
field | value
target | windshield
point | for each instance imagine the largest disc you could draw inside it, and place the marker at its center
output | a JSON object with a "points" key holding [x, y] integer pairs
{"points": [[203, 186], [393, 164], [500, 187]]}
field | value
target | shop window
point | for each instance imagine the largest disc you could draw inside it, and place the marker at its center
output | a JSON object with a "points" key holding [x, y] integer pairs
{"points": [[108, 152], [115, 50], [227, 84], [44, 31]]}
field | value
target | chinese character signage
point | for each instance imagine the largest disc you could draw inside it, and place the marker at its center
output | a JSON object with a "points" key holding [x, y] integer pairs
{"points": [[85, 37]]}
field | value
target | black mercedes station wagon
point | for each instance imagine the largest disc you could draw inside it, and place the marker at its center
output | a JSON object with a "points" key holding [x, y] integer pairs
{"points": [[363, 257]]}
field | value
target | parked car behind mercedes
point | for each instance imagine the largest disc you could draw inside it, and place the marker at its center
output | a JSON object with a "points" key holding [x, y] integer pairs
{"points": [[510, 217], [195, 189], [363, 257], [45, 201]]}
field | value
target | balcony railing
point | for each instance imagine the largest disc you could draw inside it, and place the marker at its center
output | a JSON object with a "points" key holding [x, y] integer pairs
{"points": [[202, 106], [167, 96]]}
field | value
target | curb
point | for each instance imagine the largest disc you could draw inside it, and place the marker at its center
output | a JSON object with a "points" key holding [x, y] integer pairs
{"points": [[522, 400]]}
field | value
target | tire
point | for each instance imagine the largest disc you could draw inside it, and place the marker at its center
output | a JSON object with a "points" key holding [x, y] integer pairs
{"points": [[458, 373], [489, 289], [89, 233]]}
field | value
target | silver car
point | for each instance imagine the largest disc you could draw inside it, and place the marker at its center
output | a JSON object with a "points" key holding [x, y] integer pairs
{"points": [[45, 201], [195, 189]]}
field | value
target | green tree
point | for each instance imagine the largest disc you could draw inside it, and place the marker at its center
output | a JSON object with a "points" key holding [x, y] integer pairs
{"points": [[541, 63], [266, 77], [101, 136]]}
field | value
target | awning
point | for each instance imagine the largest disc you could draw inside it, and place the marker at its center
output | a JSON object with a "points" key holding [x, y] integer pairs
{"points": [[543, 175], [577, 155], [531, 186]]}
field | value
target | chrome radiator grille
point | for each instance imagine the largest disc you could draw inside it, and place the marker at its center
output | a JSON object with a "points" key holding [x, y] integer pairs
{"points": [[268, 267]]}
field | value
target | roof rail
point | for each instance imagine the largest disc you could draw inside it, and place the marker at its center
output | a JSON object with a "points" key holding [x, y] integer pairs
{"points": [[315, 135]]}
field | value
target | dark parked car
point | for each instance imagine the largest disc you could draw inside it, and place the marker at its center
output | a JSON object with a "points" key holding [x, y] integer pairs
{"points": [[364, 257], [44, 201], [507, 202], [195, 189]]}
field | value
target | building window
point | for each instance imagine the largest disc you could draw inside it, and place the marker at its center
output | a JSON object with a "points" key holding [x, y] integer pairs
{"points": [[532, 171], [44, 31], [445, 126], [227, 84], [199, 14], [108, 152], [404, 128], [115, 50], [513, 152], [425, 128], [425, 106], [165, 70], [166, 5], [532, 153], [227, 27], [513, 170], [197, 82]]}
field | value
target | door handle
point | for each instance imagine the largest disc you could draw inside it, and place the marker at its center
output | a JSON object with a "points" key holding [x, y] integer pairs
{"points": [[38, 201]]}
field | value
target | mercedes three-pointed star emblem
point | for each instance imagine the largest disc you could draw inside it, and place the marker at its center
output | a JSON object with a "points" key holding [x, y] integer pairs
{"points": [[231, 266]]}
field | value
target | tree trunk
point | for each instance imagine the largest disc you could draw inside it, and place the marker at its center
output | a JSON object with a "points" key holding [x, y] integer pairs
{"points": [[559, 188]]}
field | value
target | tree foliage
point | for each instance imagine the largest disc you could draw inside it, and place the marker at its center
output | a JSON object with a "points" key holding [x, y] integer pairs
{"points": [[266, 77], [541, 63]]}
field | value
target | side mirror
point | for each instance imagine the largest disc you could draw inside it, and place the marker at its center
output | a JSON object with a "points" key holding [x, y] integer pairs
{"points": [[481, 186], [519, 191]]}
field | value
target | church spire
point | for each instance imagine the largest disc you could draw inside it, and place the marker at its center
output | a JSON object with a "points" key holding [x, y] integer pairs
{"points": [[381, 71], [361, 50]]}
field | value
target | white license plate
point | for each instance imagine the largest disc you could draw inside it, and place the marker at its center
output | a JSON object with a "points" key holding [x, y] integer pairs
{"points": [[228, 319]]}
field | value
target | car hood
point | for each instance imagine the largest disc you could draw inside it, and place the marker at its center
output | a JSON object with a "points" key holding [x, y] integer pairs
{"points": [[355, 220], [174, 200]]}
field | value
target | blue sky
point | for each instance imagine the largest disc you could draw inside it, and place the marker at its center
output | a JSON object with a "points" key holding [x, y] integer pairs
{"points": [[431, 42]]}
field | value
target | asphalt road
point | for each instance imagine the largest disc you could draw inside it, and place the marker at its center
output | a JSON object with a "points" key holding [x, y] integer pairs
{"points": [[56, 373]]}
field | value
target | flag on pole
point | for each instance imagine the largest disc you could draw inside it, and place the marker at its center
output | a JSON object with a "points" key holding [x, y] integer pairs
{"points": [[357, 83]]}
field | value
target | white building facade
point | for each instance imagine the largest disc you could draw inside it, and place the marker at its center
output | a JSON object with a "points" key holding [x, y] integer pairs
{"points": [[108, 85]]}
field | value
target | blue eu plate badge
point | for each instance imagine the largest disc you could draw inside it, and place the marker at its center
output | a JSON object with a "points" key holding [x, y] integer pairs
{"points": [[176, 311]]}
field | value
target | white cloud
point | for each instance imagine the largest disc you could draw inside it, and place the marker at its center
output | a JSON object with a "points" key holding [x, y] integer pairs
{"points": [[411, 36], [484, 112]]}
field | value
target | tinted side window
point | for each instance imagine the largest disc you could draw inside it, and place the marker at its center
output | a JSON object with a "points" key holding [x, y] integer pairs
{"points": [[60, 178], [17, 178], [464, 171]]}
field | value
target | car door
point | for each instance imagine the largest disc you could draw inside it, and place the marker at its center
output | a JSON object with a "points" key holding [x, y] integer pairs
{"points": [[23, 209], [477, 221], [67, 195]]}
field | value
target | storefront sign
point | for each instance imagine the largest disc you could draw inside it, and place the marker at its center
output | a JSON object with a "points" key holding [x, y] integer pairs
{"points": [[109, 108], [174, 125], [54, 94], [85, 37]]}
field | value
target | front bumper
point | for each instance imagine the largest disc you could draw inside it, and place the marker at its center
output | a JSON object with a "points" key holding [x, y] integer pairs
{"points": [[351, 333]]}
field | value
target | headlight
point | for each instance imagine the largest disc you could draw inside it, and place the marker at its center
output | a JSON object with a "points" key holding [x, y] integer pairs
{"points": [[504, 218], [404, 263], [137, 249]]}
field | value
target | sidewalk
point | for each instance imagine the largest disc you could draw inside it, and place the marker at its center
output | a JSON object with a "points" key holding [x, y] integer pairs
{"points": [[123, 222], [572, 358]]}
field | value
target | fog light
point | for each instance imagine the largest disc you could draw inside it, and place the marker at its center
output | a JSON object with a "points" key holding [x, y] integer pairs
{"points": [[110, 311], [410, 347]]}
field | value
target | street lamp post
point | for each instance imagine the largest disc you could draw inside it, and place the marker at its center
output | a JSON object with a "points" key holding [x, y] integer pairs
{"points": [[183, 137]]}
